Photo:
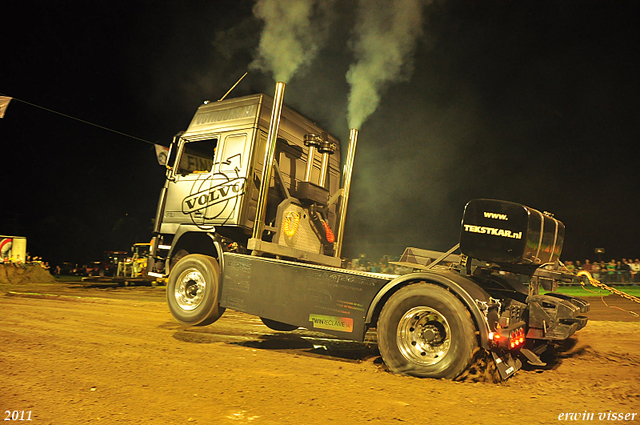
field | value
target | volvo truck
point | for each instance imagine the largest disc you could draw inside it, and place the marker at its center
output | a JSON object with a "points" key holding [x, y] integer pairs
{"points": [[252, 218]]}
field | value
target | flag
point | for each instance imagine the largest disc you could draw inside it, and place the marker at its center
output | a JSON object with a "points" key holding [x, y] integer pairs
{"points": [[161, 153], [4, 103]]}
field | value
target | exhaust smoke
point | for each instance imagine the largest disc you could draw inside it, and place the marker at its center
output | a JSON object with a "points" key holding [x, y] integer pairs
{"points": [[290, 39], [385, 39]]}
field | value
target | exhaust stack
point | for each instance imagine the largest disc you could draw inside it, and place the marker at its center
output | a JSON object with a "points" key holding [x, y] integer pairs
{"points": [[274, 125], [312, 141], [348, 169], [327, 149], [321, 144]]}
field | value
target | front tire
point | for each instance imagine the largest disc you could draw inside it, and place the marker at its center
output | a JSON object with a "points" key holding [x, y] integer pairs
{"points": [[193, 290], [425, 331]]}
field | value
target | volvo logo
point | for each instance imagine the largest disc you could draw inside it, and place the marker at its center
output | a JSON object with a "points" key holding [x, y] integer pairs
{"points": [[214, 195]]}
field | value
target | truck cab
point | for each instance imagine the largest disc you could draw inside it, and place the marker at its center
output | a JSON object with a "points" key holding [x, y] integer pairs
{"points": [[214, 179]]}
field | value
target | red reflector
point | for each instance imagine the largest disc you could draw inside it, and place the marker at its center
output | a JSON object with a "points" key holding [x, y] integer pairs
{"points": [[329, 234]]}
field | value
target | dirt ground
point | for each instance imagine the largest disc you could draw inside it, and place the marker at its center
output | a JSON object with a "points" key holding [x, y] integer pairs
{"points": [[73, 353]]}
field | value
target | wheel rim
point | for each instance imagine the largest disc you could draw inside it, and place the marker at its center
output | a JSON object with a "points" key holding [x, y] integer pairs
{"points": [[424, 336], [189, 291]]}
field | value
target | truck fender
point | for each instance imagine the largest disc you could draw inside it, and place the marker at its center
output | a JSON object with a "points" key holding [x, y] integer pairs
{"points": [[190, 231], [182, 230], [469, 292]]}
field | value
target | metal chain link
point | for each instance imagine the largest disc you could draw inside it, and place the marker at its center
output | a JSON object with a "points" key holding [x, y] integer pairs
{"points": [[596, 283]]}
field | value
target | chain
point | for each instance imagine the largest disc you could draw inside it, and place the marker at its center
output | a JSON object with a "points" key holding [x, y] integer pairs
{"points": [[598, 284]]}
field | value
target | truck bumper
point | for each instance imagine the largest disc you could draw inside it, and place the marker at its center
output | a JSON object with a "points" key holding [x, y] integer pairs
{"points": [[555, 316]]}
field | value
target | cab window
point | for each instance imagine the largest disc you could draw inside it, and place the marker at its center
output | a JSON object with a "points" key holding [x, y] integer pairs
{"points": [[197, 156]]}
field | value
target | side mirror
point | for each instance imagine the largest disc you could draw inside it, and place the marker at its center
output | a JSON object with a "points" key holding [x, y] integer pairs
{"points": [[172, 157]]}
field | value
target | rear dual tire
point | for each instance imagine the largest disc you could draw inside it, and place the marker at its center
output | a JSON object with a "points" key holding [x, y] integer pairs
{"points": [[425, 331]]}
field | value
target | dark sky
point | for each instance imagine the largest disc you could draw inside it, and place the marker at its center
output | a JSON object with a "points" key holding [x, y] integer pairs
{"points": [[534, 102]]}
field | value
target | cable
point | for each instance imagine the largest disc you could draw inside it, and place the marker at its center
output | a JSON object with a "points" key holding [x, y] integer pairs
{"points": [[78, 119]]}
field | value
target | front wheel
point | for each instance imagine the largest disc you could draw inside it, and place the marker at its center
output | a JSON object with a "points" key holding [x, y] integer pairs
{"points": [[193, 290], [425, 331]]}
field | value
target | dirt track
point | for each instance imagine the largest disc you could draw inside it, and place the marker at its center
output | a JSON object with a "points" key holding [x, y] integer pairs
{"points": [[107, 355]]}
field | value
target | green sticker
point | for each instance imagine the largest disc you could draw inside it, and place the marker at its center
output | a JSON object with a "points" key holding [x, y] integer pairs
{"points": [[344, 324]]}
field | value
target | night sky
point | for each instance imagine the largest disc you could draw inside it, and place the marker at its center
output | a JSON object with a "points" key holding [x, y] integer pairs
{"points": [[535, 102]]}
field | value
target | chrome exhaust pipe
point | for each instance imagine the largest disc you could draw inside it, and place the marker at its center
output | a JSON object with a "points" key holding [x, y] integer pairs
{"points": [[327, 149], [274, 125], [347, 172], [312, 141], [321, 144]]}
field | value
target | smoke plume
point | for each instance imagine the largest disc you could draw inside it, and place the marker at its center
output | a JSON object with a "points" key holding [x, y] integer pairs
{"points": [[386, 32], [289, 39]]}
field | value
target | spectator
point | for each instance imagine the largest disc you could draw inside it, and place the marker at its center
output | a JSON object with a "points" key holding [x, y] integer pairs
{"points": [[375, 268], [388, 268], [611, 271], [595, 271], [635, 271], [625, 271], [18, 262]]}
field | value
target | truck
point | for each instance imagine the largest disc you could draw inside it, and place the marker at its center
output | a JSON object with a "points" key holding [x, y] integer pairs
{"points": [[13, 248], [110, 260], [251, 217], [122, 267], [134, 265]]}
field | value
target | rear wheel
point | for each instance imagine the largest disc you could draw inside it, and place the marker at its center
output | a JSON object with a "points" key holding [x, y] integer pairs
{"points": [[425, 331], [193, 290]]}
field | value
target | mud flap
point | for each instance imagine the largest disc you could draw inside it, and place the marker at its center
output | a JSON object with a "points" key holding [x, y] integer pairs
{"points": [[507, 364]]}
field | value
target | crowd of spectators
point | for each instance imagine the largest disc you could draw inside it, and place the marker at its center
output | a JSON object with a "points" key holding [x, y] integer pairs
{"points": [[624, 271], [381, 266], [29, 261]]}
